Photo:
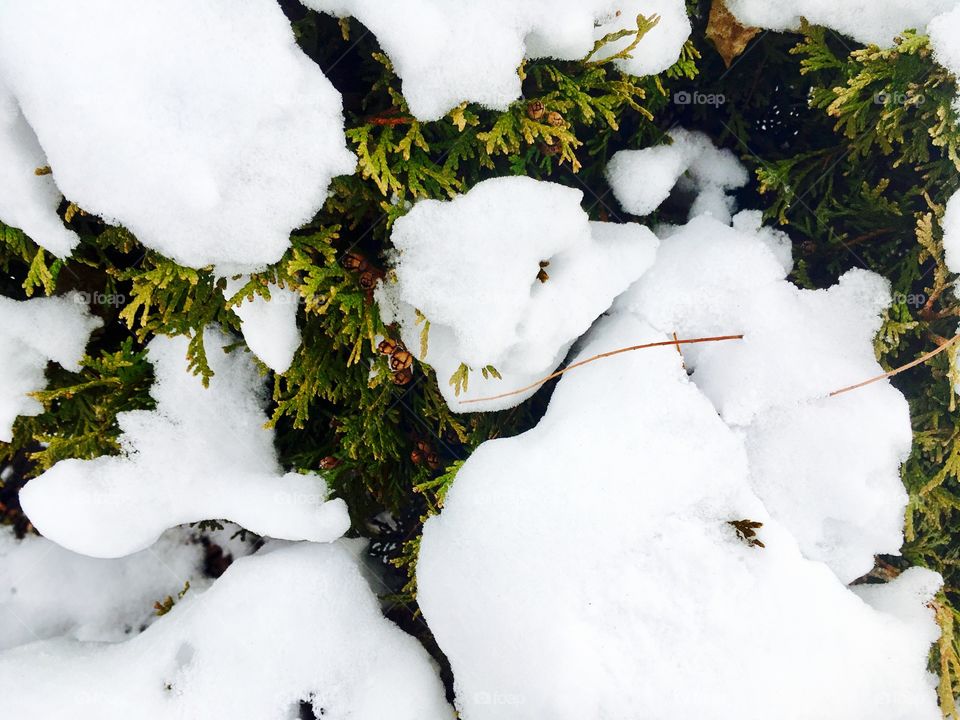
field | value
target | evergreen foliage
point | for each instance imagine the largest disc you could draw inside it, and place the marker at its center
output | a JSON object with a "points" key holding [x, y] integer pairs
{"points": [[854, 150]]}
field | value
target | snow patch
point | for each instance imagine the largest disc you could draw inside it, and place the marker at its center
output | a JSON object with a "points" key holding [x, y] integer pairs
{"points": [[28, 201], [316, 634], [46, 591], [201, 127], [447, 53], [611, 522], [32, 333], [203, 453], [643, 179], [269, 326], [827, 468], [875, 22], [471, 267]]}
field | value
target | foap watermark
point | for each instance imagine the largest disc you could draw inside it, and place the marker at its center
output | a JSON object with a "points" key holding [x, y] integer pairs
{"points": [[898, 98], [911, 300], [685, 97], [497, 698], [309, 499], [99, 298]]}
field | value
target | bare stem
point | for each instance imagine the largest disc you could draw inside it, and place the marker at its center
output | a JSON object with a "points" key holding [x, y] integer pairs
{"points": [[664, 343], [896, 371]]}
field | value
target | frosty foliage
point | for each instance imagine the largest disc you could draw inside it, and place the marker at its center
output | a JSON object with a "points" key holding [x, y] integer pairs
{"points": [[642, 179], [318, 637], [866, 21], [201, 127], [588, 568], [470, 266], [32, 333], [269, 327], [202, 454], [450, 52], [46, 591]]}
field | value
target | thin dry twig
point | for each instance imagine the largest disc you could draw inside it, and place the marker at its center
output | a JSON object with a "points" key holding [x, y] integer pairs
{"points": [[896, 371], [676, 343], [664, 343]]}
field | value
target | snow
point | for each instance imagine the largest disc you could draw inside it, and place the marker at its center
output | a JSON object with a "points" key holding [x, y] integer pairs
{"points": [[950, 222], [943, 31], [642, 180], [203, 453], [32, 333], [28, 201], [658, 49], [587, 568], [269, 326], [827, 468], [447, 53], [297, 623], [200, 127], [866, 21], [470, 267], [46, 591]]}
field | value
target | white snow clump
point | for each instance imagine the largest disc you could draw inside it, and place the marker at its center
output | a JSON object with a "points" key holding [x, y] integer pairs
{"points": [[827, 468], [28, 201], [642, 179], [318, 637], [32, 333], [202, 454], [866, 21], [943, 31], [449, 52], [269, 326], [201, 127], [470, 266], [46, 591], [611, 522]]}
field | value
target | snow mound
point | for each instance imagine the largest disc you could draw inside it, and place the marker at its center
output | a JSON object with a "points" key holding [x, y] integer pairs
{"points": [[866, 21], [201, 127], [611, 520], [471, 266], [450, 52], [950, 222], [297, 623], [827, 468], [943, 32], [202, 454], [28, 201], [32, 333], [642, 179], [269, 327], [46, 591]]}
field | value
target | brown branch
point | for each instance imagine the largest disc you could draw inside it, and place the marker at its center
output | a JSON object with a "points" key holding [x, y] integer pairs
{"points": [[896, 371], [383, 119], [664, 343]]}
